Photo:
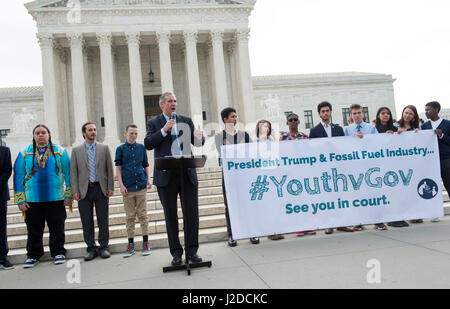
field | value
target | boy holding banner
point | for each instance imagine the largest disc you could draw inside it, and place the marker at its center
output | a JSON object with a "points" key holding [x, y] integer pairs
{"points": [[327, 129], [359, 128], [230, 136], [442, 129]]}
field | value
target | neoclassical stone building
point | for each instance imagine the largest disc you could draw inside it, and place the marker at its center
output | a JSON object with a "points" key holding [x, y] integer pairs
{"points": [[107, 61], [97, 56]]}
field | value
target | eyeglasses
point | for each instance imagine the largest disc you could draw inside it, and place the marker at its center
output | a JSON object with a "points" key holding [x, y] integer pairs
{"points": [[293, 119]]}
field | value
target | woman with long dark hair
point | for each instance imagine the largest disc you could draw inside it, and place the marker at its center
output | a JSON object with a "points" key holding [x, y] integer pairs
{"points": [[384, 121], [385, 124], [409, 122], [42, 190]]}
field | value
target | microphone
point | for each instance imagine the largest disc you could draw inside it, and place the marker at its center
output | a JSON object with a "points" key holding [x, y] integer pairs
{"points": [[173, 115]]}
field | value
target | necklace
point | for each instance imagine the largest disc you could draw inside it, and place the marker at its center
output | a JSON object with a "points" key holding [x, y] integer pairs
{"points": [[42, 155]]}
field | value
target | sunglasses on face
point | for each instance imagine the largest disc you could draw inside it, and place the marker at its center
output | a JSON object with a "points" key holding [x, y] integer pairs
{"points": [[292, 119]]}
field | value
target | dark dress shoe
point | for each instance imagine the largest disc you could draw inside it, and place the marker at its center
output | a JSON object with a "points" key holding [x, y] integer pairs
{"points": [[91, 255], [104, 253], [232, 242], [254, 240], [194, 258], [398, 224], [176, 260]]}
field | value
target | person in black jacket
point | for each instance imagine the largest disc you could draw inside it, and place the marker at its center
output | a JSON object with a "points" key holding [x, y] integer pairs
{"points": [[172, 135], [230, 136], [5, 173], [442, 129], [327, 129], [384, 122]]}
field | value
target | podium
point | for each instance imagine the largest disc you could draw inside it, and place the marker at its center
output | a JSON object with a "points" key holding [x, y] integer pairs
{"points": [[182, 162]]}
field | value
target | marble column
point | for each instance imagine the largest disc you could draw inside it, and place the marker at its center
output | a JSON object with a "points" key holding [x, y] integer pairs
{"points": [[193, 77], [245, 80], [46, 42], [221, 89], [163, 38], [137, 90], [78, 83], [108, 89]]}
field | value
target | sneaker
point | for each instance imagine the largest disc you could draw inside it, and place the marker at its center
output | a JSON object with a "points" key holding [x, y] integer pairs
{"points": [[358, 228], [145, 248], [30, 263], [435, 220], [310, 233], [130, 250], [59, 259], [300, 234], [329, 231], [6, 265], [381, 227]]}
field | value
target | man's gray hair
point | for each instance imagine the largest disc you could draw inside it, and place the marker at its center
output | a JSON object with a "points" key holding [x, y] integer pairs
{"points": [[162, 98]]}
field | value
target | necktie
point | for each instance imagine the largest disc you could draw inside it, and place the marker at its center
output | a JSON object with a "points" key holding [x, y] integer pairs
{"points": [[91, 163], [176, 148], [359, 128]]}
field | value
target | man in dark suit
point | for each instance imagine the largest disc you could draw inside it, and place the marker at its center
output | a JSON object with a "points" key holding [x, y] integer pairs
{"points": [[442, 129], [327, 129], [172, 135], [5, 173]]}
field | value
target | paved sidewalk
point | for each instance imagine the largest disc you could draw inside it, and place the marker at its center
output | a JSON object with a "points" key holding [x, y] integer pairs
{"points": [[414, 257]]}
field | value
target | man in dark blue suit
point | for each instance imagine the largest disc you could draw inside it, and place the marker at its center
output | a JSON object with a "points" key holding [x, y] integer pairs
{"points": [[442, 129], [5, 173], [327, 129], [172, 135]]}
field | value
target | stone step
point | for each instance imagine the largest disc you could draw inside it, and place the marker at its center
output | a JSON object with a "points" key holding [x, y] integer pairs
{"points": [[118, 245], [119, 230], [119, 219], [152, 199], [205, 183]]}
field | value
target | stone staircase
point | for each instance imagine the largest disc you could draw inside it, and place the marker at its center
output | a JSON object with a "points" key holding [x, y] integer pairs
{"points": [[211, 216], [211, 213]]}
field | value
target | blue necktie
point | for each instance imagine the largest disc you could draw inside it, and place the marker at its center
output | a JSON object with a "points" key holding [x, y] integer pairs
{"points": [[359, 128]]}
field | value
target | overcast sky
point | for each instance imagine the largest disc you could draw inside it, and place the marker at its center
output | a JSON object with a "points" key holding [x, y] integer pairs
{"points": [[409, 39]]}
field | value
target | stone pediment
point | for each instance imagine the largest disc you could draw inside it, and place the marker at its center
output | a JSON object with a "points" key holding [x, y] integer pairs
{"points": [[42, 4]]}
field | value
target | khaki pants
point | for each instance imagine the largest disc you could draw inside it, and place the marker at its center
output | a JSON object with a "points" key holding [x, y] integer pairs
{"points": [[135, 204]]}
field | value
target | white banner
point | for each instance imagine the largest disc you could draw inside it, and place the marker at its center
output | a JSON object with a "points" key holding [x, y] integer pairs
{"points": [[288, 186]]}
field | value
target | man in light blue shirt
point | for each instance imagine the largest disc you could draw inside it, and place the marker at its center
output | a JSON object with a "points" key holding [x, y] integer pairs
{"points": [[359, 127]]}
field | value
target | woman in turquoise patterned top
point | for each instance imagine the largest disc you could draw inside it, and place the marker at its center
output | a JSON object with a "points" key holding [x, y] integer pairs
{"points": [[42, 190]]}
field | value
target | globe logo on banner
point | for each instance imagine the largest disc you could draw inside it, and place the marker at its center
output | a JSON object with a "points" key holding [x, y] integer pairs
{"points": [[427, 189]]}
